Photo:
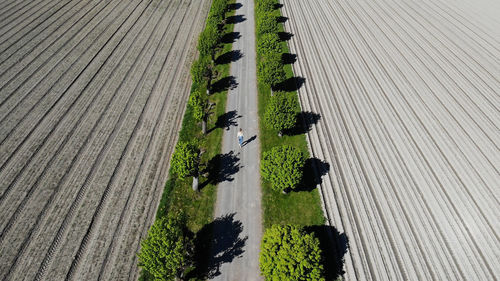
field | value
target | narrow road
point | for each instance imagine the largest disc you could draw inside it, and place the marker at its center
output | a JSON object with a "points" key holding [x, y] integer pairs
{"points": [[238, 198]]}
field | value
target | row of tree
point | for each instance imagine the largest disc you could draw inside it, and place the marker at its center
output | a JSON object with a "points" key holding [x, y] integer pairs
{"points": [[167, 251], [287, 252]]}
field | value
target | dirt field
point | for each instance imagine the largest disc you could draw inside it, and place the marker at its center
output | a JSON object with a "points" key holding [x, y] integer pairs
{"points": [[408, 94], [91, 98]]}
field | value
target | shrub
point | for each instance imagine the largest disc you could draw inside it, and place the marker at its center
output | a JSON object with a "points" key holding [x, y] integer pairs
{"points": [[201, 70], [281, 112], [269, 43], [208, 41], [289, 253], [267, 22], [218, 10], [264, 6], [198, 101], [282, 166], [166, 251], [185, 160], [270, 69]]}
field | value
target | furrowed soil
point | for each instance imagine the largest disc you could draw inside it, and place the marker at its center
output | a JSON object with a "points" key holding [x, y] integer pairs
{"points": [[92, 94], [408, 97]]}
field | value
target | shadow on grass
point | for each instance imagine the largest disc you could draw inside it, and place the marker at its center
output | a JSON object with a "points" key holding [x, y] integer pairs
{"points": [[235, 19], [291, 84], [313, 170], [224, 84], [303, 123], [285, 36], [230, 37], [334, 246], [287, 58], [217, 243], [229, 57]]}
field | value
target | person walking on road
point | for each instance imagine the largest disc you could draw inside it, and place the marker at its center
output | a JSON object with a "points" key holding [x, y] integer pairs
{"points": [[240, 137]]}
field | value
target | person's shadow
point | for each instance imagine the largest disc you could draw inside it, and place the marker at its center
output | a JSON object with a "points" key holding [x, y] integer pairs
{"points": [[249, 140], [217, 243]]}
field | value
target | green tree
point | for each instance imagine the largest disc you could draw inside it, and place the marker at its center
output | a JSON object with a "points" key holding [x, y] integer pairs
{"points": [[282, 166], [186, 160], [262, 6], [208, 41], [281, 112], [270, 70], [289, 253], [269, 43], [267, 22], [167, 249], [199, 102], [218, 10], [201, 71]]}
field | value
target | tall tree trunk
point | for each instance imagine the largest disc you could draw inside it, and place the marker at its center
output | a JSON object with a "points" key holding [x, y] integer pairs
{"points": [[204, 125]]}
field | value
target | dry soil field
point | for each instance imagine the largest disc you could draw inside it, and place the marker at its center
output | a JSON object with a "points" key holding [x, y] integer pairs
{"points": [[91, 97], [409, 97]]}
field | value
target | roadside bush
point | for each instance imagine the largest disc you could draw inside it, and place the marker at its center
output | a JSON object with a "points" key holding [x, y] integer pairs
{"points": [[264, 6], [267, 22], [282, 166], [269, 43], [281, 112], [201, 70], [167, 249], [185, 159], [218, 10], [289, 253], [270, 70], [208, 41]]}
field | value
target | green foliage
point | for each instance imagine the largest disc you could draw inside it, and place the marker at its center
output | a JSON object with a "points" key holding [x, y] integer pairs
{"points": [[281, 111], [208, 41], [201, 70], [282, 166], [165, 252], [270, 69], [198, 101], [289, 253], [267, 22], [218, 10], [269, 43], [262, 6], [185, 160]]}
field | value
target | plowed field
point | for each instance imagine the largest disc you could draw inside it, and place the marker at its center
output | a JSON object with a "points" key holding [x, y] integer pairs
{"points": [[91, 98], [408, 94]]}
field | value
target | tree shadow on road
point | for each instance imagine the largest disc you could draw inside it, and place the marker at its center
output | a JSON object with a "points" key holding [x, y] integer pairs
{"points": [[234, 6], [226, 120], [313, 171], [230, 37], [334, 246], [221, 168], [224, 84], [229, 57], [235, 19], [217, 243]]}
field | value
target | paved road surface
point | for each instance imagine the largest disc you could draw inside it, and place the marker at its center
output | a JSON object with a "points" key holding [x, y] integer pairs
{"points": [[409, 96], [238, 200]]}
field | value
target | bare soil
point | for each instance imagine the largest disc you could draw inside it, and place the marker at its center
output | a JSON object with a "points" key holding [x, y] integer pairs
{"points": [[408, 100], [91, 98]]}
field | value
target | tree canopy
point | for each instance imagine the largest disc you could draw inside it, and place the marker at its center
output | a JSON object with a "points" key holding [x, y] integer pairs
{"points": [[281, 111], [270, 69], [269, 43], [185, 160], [282, 166], [166, 251], [289, 253], [208, 40]]}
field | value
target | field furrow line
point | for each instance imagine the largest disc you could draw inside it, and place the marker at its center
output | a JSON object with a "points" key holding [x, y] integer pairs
{"points": [[75, 156], [46, 132], [6, 5], [4, 16], [17, 25], [19, 44], [30, 87]]}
